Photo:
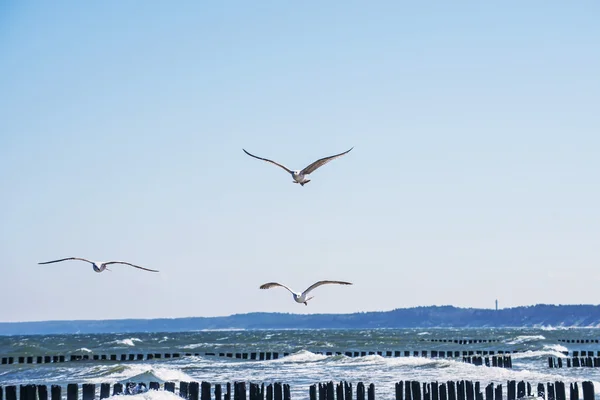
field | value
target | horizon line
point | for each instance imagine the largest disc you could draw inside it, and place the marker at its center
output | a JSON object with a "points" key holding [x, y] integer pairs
{"points": [[315, 314]]}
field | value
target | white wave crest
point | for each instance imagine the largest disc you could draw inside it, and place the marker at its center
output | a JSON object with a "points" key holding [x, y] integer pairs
{"points": [[526, 338], [149, 395], [302, 356], [83, 350], [555, 347], [128, 342], [145, 373]]}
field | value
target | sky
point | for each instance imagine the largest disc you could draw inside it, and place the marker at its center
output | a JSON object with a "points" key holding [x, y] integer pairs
{"points": [[474, 174]]}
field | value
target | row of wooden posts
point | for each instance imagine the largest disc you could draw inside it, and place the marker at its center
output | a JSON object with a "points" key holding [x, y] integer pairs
{"points": [[461, 341], [496, 361], [591, 362], [244, 356], [404, 390], [579, 340]]}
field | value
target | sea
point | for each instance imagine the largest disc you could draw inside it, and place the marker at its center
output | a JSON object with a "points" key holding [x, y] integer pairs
{"points": [[302, 367]]}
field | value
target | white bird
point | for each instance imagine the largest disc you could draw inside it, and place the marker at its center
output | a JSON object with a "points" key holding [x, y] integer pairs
{"points": [[301, 297], [300, 176], [99, 267]]}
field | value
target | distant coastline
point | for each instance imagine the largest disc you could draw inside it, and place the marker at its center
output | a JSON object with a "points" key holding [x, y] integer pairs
{"points": [[540, 315]]}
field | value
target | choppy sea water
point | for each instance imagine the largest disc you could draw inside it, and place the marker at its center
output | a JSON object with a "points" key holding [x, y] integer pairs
{"points": [[301, 368]]}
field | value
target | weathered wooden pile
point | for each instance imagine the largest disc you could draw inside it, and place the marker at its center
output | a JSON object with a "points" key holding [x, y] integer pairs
{"points": [[404, 390]]}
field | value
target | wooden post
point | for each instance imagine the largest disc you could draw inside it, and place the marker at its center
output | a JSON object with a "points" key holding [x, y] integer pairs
{"points": [[460, 390], [118, 389], [72, 391], [551, 395], [270, 392], [154, 386], [339, 391], [348, 390], [407, 390], [105, 390], [559, 387], [254, 391], [426, 391], [442, 391], [277, 391], [540, 390], [55, 392], [228, 392], [489, 392], [241, 390], [194, 391], [588, 390], [170, 387], [183, 389], [41, 389], [286, 392], [451, 390], [205, 391], [498, 392], [416, 390], [400, 390], [469, 390], [478, 394], [574, 391], [434, 391], [312, 392], [89, 391], [330, 391], [512, 390], [360, 391], [371, 392], [218, 391], [11, 392], [521, 389]]}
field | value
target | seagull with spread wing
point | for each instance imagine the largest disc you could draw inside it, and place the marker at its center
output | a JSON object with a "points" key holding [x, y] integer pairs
{"points": [[300, 176], [99, 267], [301, 297]]}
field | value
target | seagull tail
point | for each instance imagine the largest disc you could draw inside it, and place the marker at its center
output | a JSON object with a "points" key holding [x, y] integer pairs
{"points": [[305, 182]]}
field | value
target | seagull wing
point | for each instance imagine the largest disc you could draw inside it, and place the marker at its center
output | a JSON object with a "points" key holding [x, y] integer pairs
{"points": [[315, 285], [64, 259], [274, 284], [126, 263], [270, 161], [319, 163]]}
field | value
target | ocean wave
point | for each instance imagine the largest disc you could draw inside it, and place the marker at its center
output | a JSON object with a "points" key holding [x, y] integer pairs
{"points": [[149, 395], [536, 354], [526, 338], [302, 356], [83, 350], [127, 342], [141, 373], [555, 348]]}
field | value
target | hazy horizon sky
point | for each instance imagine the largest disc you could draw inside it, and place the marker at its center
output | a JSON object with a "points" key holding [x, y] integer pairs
{"points": [[474, 174]]}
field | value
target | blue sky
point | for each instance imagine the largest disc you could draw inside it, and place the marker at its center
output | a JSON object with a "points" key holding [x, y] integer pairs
{"points": [[474, 174]]}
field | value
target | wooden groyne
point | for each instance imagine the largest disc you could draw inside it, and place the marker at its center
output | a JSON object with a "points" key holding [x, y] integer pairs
{"points": [[590, 362], [579, 340], [260, 356], [403, 390], [457, 390], [461, 341]]}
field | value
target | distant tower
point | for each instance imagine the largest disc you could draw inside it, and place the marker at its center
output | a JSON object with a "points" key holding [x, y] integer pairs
{"points": [[496, 304]]}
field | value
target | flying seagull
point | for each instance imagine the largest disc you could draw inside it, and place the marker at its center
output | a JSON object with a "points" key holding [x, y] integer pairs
{"points": [[301, 176], [301, 297], [98, 267]]}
